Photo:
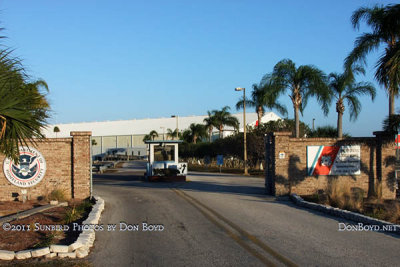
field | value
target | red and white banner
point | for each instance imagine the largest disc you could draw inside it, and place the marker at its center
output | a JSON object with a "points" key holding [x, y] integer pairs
{"points": [[333, 160]]}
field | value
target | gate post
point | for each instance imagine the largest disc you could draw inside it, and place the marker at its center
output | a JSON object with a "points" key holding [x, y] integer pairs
{"points": [[81, 167]]}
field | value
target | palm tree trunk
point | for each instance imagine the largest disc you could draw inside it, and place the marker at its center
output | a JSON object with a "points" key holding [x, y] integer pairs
{"points": [[391, 102], [297, 120], [209, 135], [221, 129], [259, 114], [339, 125], [194, 139]]}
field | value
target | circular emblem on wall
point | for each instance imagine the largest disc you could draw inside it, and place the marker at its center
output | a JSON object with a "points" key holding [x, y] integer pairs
{"points": [[29, 171]]}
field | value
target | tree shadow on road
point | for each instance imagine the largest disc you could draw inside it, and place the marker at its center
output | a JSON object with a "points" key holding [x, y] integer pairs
{"points": [[135, 180]]}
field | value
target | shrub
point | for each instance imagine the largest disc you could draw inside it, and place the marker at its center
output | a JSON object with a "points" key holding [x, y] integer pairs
{"points": [[57, 194], [76, 212], [342, 196]]}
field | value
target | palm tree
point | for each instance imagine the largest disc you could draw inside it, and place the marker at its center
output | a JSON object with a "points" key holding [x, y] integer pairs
{"points": [[210, 124], [343, 87], [56, 130], [153, 134], [197, 131], [147, 137], [385, 24], [302, 82], [172, 134], [24, 109], [262, 96], [223, 117]]}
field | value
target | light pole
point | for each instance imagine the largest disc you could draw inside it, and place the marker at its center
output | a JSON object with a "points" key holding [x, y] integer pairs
{"points": [[313, 128], [244, 128], [176, 116]]}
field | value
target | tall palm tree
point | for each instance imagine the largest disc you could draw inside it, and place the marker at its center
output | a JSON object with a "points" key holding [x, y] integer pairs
{"points": [[344, 87], [223, 117], [385, 24], [210, 124], [197, 131], [24, 109], [262, 96], [302, 82]]}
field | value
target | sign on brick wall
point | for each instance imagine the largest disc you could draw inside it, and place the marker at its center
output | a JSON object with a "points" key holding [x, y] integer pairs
{"points": [[333, 160], [29, 171]]}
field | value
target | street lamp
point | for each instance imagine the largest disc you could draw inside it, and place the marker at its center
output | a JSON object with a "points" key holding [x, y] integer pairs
{"points": [[176, 116], [244, 128]]}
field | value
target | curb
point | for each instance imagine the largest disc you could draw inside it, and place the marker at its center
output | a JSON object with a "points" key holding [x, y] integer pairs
{"points": [[78, 249], [30, 212], [349, 215]]}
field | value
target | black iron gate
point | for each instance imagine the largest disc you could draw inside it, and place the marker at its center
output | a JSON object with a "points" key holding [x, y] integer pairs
{"points": [[269, 164]]}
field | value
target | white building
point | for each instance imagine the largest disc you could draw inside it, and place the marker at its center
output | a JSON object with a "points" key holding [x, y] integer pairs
{"points": [[130, 133]]}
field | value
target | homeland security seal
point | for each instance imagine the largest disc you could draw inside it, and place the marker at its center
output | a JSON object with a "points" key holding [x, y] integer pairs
{"points": [[30, 170]]}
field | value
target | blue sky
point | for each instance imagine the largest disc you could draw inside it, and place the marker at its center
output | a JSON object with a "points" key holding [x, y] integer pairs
{"points": [[110, 60]]}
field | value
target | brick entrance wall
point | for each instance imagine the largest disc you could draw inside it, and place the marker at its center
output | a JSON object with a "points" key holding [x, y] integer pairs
{"points": [[289, 175], [68, 168]]}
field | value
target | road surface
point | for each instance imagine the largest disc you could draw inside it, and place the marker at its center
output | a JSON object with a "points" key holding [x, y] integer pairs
{"points": [[222, 220]]}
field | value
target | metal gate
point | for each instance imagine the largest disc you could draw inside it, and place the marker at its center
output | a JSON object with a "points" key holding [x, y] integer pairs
{"points": [[269, 164]]}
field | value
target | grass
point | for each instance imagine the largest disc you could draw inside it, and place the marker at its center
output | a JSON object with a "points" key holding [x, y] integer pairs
{"points": [[339, 194], [46, 241], [58, 195], [76, 212]]}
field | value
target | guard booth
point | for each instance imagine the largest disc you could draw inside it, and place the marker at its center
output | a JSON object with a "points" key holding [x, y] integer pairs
{"points": [[163, 162]]}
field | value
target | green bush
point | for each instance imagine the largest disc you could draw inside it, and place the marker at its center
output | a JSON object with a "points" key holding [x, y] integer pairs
{"points": [[58, 195]]}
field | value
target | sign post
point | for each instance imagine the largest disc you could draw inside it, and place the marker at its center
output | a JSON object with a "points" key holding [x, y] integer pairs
{"points": [[220, 161]]}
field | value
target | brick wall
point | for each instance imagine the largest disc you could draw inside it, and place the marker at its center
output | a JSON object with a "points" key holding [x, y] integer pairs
{"points": [[290, 173], [68, 168]]}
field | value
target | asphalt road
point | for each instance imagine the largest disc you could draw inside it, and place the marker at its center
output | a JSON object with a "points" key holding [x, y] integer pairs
{"points": [[223, 220]]}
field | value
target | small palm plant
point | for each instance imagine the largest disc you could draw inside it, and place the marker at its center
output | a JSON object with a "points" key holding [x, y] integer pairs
{"points": [[210, 124], [263, 95], [153, 134], [223, 117], [197, 131], [56, 130]]}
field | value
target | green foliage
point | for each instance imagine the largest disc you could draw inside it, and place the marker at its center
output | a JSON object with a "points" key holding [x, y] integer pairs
{"points": [[76, 212], [282, 125], [302, 83], [46, 240], [196, 131], [172, 133], [153, 134], [392, 123], [58, 195], [24, 109], [232, 146], [385, 24], [223, 118], [325, 131]]}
